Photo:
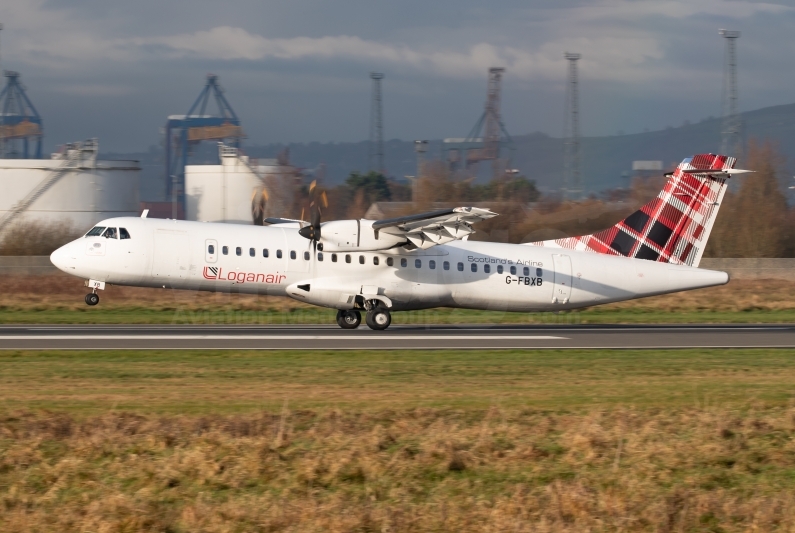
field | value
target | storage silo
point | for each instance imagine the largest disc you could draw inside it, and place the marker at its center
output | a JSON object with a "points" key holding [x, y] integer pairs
{"points": [[72, 187], [239, 190]]}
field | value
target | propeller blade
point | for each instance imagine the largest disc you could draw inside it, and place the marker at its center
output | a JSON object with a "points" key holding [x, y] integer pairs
{"points": [[315, 218]]}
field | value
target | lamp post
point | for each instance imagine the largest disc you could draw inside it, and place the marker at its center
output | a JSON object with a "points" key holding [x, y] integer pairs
{"points": [[420, 147]]}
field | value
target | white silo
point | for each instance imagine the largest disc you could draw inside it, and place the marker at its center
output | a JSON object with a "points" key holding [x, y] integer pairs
{"points": [[72, 187], [238, 190]]}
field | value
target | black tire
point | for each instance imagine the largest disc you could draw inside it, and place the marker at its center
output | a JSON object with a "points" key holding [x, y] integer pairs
{"points": [[92, 298], [379, 318], [349, 319]]}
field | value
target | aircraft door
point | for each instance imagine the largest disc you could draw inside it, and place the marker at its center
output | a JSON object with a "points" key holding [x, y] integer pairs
{"points": [[562, 290], [210, 251]]}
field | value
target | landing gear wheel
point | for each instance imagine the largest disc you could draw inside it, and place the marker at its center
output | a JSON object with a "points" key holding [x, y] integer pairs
{"points": [[92, 298], [349, 319], [378, 318]]}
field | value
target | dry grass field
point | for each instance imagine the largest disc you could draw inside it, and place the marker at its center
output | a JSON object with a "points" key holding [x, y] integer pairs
{"points": [[680, 440], [59, 299]]}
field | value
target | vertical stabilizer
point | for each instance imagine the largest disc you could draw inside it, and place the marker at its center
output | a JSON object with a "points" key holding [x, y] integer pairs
{"points": [[672, 228]]}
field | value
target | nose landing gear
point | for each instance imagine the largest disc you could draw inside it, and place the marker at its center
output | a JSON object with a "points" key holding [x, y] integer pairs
{"points": [[92, 298]]}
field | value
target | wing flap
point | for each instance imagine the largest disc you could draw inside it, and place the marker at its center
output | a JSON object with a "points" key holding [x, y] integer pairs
{"points": [[425, 230]]}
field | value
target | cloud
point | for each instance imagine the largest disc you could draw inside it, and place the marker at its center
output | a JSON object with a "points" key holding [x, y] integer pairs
{"points": [[620, 53], [646, 63], [676, 9], [617, 37]]}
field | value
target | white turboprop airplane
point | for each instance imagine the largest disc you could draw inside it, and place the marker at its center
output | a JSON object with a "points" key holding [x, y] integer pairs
{"points": [[417, 262]]}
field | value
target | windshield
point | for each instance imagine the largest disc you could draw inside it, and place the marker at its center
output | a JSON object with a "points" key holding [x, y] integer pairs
{"points": [[110, 233], [95, 231]]}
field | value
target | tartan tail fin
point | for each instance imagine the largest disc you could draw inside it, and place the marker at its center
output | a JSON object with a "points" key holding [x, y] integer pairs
{"points": [[675, 226]]}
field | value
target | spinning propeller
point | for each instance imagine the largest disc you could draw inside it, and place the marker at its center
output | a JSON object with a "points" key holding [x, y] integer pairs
{"points": [[319, 200]]}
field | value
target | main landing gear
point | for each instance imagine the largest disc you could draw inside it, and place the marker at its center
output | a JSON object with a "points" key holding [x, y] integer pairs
{"points": [[92, 298], [377, 318], [349, 319]]}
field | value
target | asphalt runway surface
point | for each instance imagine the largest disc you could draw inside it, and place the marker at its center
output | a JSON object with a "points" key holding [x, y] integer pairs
{"points": [[459, 337]]}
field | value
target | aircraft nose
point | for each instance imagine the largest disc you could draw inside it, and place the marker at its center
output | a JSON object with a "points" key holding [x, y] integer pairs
{"points": [[62, 258]]}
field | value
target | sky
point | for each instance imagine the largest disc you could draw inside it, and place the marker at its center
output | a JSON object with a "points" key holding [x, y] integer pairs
{"points": [[298, 71]]}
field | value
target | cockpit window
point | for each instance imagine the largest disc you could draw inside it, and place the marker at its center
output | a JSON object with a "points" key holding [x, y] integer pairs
{"points": [[111, 233], [95, 231], [124, 234]]}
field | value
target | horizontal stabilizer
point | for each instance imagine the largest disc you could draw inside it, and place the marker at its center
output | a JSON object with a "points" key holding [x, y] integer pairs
{"points": [[711, 173]]}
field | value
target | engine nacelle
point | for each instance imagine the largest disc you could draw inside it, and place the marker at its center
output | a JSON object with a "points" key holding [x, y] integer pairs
{"points": [[355, 236]]}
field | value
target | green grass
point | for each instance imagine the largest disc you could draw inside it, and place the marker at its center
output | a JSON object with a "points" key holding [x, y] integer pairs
{"points": [[226, 381], [597, 315], [355, 441]]}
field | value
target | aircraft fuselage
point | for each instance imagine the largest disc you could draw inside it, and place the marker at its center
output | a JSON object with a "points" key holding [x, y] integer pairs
{"points": [[277, 261]]}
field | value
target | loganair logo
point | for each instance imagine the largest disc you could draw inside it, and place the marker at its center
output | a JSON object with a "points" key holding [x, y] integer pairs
{"points": [[241, 277]]}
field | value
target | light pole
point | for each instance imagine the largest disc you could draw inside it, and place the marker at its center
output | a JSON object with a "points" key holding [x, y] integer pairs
{"points": [[420, 147], [174, 196]]}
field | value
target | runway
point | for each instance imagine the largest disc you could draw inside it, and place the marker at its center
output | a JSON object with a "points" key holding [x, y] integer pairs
{"points": [[458, 337]]}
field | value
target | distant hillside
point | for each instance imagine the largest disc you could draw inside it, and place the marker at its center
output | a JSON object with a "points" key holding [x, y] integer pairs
{"points": [[537, 156], [540, 157]]}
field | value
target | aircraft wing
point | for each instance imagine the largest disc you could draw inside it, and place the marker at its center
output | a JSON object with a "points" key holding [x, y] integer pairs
{"points": [[437, 227], [286, 222]]}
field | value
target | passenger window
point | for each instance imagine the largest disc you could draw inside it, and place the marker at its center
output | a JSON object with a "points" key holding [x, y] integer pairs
{"points": [[487, 269], [418, 263], [347, 258], [124, 234], [264, 252], [320, 256], [526, 271], [460, 267], [95, 231], [333, 258], [375, 260], [278, 254], [110, 233], [446, 265], [499, 269], [306, 256], [238, 251], [390, 261], [210, 249], [361, 259], [252, 252], [474, 267], [539, 272], [225, 250], [432, 264], [404, 262], [292, 254], [513, 271]]}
